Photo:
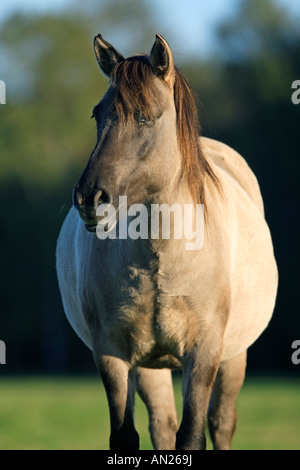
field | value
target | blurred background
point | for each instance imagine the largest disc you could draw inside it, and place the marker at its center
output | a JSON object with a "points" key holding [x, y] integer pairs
{"points": [[240, 56]]}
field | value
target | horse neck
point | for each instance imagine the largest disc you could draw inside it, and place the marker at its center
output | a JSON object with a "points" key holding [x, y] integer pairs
{"points": [[178, 196], [177, 192]]}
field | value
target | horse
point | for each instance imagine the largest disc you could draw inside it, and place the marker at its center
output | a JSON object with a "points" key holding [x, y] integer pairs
{"points": [[147, 306]]}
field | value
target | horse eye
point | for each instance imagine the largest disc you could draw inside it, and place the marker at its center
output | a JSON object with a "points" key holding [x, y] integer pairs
{"points": [[143, 121]]}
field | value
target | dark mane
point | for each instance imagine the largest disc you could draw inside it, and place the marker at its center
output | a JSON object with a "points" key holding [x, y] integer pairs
{"points": [[195, 165], [134, 80]]}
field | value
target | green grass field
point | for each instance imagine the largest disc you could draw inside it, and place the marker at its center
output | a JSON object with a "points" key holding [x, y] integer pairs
{"points": [[73, 414]]}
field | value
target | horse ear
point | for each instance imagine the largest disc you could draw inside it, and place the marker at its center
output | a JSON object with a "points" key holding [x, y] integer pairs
{"points": [[107, 56], [161, 60]]}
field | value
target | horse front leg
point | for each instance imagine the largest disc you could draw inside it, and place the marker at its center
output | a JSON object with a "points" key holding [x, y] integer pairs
{"points": [[199, 372], [119, 383], [156, 390], [222, 413]]}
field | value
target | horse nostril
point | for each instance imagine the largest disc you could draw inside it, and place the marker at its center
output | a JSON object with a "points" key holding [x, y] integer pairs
{"points": [[77, 198], [87, 202], [102, 197]]}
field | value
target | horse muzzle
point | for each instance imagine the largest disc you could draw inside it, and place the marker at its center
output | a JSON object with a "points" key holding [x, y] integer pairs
{"points": [[87, 202]]}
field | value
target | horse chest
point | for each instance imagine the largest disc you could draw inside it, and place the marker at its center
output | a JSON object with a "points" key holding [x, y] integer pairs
{"points": [[148, 321]]}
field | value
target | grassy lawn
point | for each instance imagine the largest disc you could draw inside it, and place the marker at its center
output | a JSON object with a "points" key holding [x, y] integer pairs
{"points": [[55, 413]]}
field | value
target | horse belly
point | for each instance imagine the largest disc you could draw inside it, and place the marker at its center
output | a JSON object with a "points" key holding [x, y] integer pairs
{"points": [[252, 266], [254, 289]]}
